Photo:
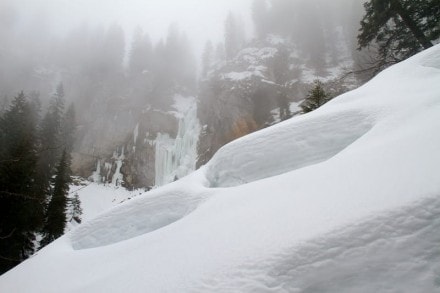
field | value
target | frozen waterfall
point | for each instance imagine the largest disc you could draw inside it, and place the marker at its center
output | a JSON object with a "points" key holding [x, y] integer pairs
{"points": [[176, 158], [118, 177]]}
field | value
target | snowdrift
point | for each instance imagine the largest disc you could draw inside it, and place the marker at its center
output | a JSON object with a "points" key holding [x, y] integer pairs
{"points": [[344, 199]]}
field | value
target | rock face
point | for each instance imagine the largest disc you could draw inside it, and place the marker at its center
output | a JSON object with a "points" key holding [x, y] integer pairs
{"points": [[160, 148], [257, 89], [133, 149], [139, 165], [146, 147], [176, 157], [134, 144]]}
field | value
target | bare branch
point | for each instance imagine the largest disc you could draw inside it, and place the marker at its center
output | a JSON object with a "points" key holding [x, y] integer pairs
{"points": [[9, 235], [25, 196]]}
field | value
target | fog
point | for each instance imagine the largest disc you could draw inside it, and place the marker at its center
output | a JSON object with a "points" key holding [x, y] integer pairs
{"points": [[121, 60], [200, 19]]}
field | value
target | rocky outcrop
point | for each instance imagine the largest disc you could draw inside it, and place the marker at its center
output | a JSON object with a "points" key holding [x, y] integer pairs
{"points": [[160, 148], [139, 164], [133, 157], [257, 88]]}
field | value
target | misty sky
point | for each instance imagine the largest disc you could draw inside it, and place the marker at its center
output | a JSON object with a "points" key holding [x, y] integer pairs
{"points": [[200, 19]]}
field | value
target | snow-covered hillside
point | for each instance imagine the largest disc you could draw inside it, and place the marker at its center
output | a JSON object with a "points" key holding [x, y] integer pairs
{"points": [[97, 198], [344, 199]]}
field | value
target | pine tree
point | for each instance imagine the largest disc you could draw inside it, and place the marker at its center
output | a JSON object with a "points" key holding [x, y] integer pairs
{"points": [[112, 54], [75, 204], [50, 142], [315, 99], [21, 210], [399, 28], [4, 102], [141, 53], [68, 128], [56, 212]]}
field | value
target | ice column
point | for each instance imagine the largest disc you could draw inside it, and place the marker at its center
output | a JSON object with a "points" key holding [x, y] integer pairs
{"points": [[96, 175], [118, 178], [176, 158]]}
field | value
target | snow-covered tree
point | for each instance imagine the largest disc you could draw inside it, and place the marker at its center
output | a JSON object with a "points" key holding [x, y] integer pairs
{"points": [[76, 210]]}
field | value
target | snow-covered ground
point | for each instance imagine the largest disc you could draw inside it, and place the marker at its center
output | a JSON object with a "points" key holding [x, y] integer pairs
{"points": [[97, 198], [343, 199]]}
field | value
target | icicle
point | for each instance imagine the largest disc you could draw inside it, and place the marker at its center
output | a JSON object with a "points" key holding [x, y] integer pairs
{"points": [[96, 176], [118, 177], [135, 134], [176, 158]]}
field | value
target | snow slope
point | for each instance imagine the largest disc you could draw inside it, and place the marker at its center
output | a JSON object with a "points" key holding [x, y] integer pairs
{"points": [[97, 198], [344, 199]]}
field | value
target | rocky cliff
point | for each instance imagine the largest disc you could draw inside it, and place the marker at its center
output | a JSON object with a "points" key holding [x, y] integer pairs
{"points": [[261, 86]]}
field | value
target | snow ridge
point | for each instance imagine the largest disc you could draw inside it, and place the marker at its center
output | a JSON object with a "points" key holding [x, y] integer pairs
{"points": [[306, 142]]}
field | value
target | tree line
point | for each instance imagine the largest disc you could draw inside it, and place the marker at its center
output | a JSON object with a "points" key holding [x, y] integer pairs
{"points": [[34, 175]]}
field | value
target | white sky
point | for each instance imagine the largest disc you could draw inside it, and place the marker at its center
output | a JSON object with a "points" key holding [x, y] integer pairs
{"points": [[200, 19]]}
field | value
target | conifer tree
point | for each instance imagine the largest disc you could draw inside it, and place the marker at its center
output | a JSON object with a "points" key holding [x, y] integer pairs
{"points": [[68, 128], [56, 211], [21, 210], [141, 53], [75, 205], [50, 141], [315, 99], [112, 54], [399, 28], [4, 102]]}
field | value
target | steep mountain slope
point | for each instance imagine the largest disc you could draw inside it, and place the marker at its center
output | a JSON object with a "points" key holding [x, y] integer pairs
{"points": [[241, 95], [357, 212]]}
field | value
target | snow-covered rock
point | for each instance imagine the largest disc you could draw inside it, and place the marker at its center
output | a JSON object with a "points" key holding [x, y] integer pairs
{"points": [[358, 212], [238, 96]]}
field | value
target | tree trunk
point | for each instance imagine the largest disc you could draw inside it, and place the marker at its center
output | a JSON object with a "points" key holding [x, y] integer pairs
{"points": [[411, 24]]}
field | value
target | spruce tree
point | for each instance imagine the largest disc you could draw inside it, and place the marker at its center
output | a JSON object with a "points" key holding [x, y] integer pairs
{"points": [[50, 145], [75, 205], [141, 54], [56, 211], [68, 129], [315, 99], [4, 102], [21, 209], [399, 28]]}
